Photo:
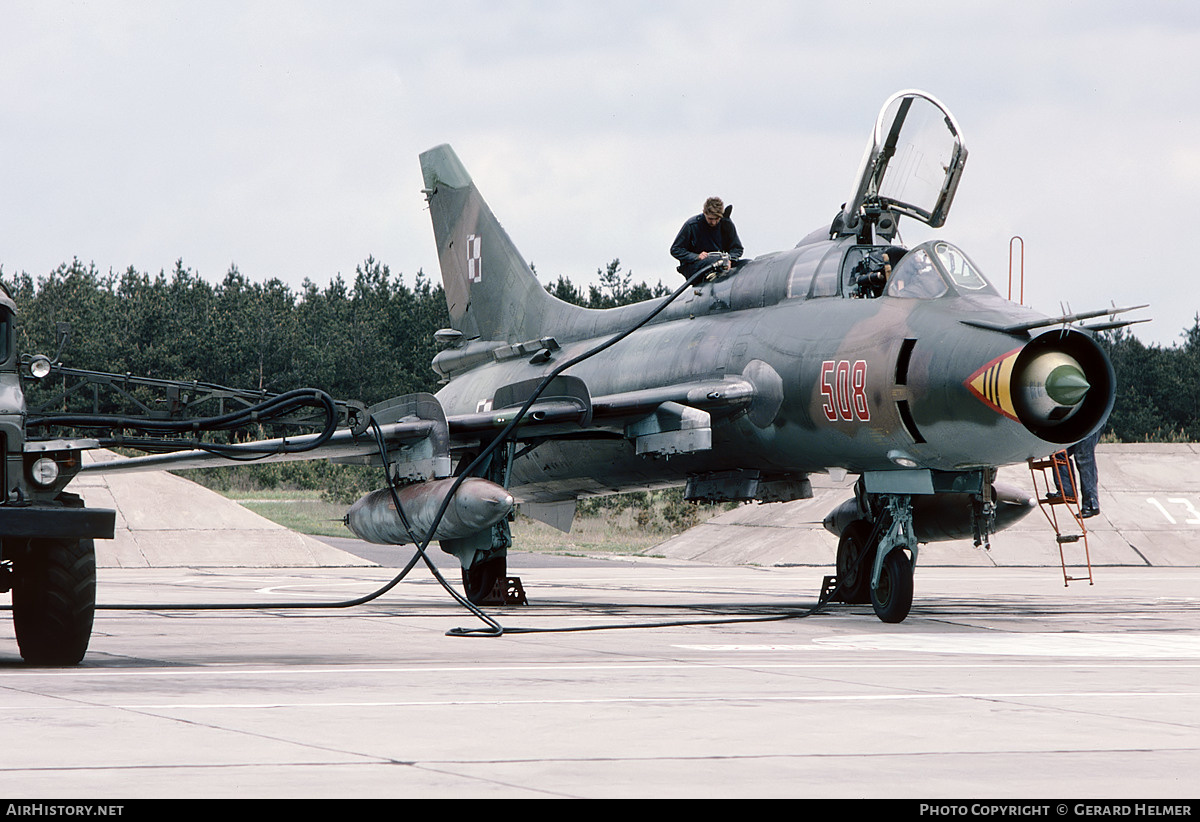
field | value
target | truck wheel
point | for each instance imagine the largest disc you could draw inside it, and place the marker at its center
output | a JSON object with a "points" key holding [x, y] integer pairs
{"points": [[54, 600]]}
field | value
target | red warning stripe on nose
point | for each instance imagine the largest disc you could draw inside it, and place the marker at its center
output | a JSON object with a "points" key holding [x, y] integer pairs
{"points": [[992, 384]]}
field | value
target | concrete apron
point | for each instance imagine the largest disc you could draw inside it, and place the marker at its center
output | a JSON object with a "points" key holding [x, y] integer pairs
{"points": [[1149, 516], [164, 520]]}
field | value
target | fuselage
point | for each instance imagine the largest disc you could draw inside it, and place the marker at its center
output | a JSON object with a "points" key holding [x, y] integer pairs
{"points": [[842, 381]]}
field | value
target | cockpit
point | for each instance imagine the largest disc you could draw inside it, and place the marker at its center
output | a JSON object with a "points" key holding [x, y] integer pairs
{"points": [[926, 272], [933, 268]]}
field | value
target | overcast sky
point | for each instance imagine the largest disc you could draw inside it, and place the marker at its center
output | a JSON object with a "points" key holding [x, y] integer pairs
{"points": [[282, 137]]}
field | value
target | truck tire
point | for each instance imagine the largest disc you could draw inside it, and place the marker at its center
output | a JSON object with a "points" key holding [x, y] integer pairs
{"points": [[54, 600]]}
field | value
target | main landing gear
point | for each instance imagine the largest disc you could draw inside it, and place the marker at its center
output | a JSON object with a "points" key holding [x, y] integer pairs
{"points": [[876, 555], [484, 555], [481, 579]]}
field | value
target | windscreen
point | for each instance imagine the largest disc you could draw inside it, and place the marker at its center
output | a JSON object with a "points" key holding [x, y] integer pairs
{"points": [[6, 333], [931, 269], [962, 271], [916, 277]]}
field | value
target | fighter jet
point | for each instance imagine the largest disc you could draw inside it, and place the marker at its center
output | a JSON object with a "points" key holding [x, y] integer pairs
{"points": [[847, 354]]}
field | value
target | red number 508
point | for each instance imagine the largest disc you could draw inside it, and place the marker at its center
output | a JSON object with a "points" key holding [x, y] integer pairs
{"points": [[844, 387]]}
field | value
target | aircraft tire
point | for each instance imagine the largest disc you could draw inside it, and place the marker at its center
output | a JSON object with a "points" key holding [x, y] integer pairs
{"points": [[855, 557], [54, 601], [892, 599], [481, 578]]}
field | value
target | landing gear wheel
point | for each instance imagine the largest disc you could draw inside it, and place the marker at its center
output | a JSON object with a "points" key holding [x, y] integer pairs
{"points": [[855, 559], [54, 600], [892, 598], [481, 578]]}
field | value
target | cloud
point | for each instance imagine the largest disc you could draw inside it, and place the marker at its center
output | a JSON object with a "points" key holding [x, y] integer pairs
{"points": [[283, 136]]}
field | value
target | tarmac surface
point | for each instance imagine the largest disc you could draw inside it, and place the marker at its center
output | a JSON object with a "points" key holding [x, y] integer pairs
{"points": [[1149, 501], [695, 674], [1003, 683], [1149, 516]]}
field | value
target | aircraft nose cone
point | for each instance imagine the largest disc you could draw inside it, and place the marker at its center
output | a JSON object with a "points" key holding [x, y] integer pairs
{"points": [[1059, 386], [1052, 387], [1067, 385]]}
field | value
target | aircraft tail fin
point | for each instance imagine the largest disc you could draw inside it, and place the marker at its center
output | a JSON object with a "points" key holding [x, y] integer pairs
{"points": [[491, 291]]}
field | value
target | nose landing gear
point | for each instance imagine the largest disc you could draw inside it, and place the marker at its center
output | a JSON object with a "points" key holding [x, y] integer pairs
{"points": [[875, 559]]}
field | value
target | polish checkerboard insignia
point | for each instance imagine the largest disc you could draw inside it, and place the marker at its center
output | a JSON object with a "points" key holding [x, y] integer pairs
{"points": [[474, 261]]}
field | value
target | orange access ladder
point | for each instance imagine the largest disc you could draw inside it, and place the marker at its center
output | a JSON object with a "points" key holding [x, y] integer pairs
{"points": [[1072, 529]]}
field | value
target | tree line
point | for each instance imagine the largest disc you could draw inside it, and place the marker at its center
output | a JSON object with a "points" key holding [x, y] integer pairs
{"points": [[370, 337], [1158, 388]]}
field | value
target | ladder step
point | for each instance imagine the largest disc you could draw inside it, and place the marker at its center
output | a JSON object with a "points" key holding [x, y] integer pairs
{"points": [[1061, 496]]}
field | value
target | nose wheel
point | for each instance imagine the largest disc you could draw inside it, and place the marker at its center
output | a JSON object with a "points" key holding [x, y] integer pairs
{"points": [[875, 559], [892, 595]]}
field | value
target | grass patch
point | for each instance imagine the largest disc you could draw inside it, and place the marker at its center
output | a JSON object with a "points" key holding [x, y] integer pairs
{"points": [[589, 535], [624, 524], [313, 516], [255, 495]]}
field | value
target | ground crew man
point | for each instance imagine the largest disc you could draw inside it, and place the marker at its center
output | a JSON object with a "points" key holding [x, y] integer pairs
{"points": [[709, 231]]}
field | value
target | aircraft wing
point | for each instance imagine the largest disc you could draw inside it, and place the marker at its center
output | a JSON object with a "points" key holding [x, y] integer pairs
{"points": [[343, 446], [412, 429], [420, 438], [1064, 320], [669, 419]]}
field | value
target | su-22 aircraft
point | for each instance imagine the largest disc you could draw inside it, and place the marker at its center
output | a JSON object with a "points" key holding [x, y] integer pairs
{"points": [[846, 354]]}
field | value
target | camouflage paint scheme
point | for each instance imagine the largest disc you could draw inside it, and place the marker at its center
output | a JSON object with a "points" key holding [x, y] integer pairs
{"points": [[922, 381], [765, 334], [847, 353]]}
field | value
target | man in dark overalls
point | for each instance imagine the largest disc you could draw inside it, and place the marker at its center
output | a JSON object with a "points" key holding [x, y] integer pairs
{"points": [[1084, 455], [707, 232]]}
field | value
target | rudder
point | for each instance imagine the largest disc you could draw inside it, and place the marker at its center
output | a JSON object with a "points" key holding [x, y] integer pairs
{"points": [[491, 292]]}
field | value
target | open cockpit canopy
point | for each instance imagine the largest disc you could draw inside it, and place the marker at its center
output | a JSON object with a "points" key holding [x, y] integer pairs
{"points": [[912, 166]]}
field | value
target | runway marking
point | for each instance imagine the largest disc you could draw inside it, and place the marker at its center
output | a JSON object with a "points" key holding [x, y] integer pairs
{"points": [[643, 700], [534, 668], [750, 647], [308, 587], [1131, 645]]}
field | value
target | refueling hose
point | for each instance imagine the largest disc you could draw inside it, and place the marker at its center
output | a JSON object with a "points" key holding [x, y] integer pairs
{"points": [[264, 412], [422, 543]]}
